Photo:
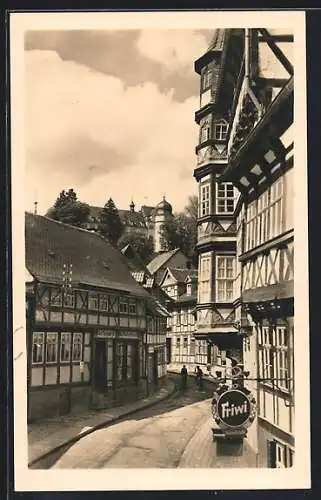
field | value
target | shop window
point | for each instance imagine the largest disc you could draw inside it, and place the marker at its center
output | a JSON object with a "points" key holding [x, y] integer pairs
{"points": [[77, 346], [52, 348], [65, 347], [38, 348]]}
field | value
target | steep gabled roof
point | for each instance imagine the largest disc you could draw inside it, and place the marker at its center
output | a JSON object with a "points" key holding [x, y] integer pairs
{"points": [[134, 262], [160, 259], [95, 262], [181, 275]]}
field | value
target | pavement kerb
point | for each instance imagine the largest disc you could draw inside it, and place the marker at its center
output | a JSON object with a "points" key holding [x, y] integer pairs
{"points": [[105, 423]]}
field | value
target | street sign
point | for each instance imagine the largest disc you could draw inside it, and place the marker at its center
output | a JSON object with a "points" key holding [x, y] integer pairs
{"points": [[233, 409]]}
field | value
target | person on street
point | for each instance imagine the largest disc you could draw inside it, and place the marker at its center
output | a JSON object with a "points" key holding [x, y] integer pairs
{"points": [[199, 378], [184, 377]]}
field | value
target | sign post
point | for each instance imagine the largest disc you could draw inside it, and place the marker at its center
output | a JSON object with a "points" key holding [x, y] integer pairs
{"points": [[233, 412]]}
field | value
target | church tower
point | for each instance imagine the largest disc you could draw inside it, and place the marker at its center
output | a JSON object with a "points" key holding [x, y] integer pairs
{"points": [[163, 213], [217, 200]]}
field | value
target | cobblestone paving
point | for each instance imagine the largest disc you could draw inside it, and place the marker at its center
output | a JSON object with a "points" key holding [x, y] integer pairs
{"points": [[156, 437]]}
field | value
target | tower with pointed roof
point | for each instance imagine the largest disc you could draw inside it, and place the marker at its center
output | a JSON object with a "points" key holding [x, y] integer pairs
{"points": [[163, 213], [217, 201]]}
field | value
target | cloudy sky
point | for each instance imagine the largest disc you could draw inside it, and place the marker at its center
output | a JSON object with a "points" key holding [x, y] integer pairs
{"points": [[111, 114]]}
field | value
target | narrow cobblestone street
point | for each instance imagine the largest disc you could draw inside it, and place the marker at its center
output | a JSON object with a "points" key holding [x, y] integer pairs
{"points": [[175, 433], [155, 437]]}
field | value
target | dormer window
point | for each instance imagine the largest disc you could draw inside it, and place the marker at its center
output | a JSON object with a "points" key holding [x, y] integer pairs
{"points": [[220, 130]]}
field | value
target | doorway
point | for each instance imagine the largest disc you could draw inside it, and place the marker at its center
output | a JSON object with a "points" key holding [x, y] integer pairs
{"points": [[100, 370]]}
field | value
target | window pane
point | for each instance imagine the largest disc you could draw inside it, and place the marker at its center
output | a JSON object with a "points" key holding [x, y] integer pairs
{"points": [[65, 347], [77, 347], [52, 345], [38, 348]]}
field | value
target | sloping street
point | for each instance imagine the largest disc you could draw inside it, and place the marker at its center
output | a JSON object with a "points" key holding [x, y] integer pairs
{"points": [[155, 437]]}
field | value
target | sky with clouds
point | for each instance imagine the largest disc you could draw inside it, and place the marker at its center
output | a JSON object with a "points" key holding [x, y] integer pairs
{"points": [[111, 114]]}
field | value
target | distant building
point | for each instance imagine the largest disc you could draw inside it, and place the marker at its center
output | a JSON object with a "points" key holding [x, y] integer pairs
{"points": [[181, 286], [162, 260], [147, 221], [89, 322]]}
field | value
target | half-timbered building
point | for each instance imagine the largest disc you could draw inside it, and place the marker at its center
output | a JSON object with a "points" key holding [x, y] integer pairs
{"points": [[216, 240], [255, 83], [88, 322], [181, 287]]}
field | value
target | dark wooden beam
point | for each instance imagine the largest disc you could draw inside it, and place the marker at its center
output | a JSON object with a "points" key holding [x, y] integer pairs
{"points": [[270, 40]]}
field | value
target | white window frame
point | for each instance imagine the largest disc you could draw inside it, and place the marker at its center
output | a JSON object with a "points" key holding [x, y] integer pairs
{"points": [[69, 299], [262, 223], [205, 199], [38, 340], [54, 343], [275, 209], [205, 274], [206, 78], [93, 301], [64, 336], [282, 357], [80, 338], [222, 197], [220, 130], [123, 306], [224, 282], [283, 455]]}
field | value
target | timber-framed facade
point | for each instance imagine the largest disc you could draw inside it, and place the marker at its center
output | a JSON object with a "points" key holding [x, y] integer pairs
{"points": [[254, 83], [91, 329]]}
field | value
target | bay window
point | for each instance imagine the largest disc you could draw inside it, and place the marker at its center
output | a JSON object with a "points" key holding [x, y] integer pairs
{"points": [[220, 130], [224, 278], [206, 78], [205, 200], [204, 278], [225, 198]]}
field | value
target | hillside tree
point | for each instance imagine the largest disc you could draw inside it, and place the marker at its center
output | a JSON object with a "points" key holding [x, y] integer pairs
{"points": [[110, 224], [69, 210]]}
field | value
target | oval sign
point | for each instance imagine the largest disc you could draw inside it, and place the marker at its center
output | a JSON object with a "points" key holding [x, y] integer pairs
{"points": [[233, 408]]}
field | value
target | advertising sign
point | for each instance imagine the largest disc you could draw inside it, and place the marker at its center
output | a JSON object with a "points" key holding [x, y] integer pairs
{"points": [[233, 409]]}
